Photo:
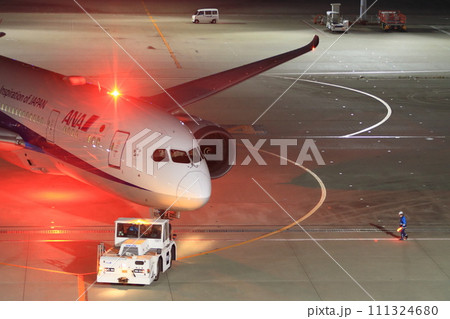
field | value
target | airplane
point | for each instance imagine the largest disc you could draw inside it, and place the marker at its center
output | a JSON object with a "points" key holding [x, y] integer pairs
{"points": [[146, 150]]}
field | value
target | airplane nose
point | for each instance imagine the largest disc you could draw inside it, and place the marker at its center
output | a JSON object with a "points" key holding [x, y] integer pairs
{"points": [[194, 190]]}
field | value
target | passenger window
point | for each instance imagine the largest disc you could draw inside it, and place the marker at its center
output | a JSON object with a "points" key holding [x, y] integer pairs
{"points": [[208, 13], [200, 13], [160, 155], [179, 157]]}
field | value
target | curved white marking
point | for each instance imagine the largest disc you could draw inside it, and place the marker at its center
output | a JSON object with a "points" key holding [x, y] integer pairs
{"points": [[389, 110], [388, 107]]}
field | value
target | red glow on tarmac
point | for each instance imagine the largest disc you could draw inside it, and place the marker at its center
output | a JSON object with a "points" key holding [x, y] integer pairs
{"points": [[56, 195], [30, 199]]}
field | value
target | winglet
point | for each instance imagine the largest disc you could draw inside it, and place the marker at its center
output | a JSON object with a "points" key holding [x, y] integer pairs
{"points": [[196, 90]]}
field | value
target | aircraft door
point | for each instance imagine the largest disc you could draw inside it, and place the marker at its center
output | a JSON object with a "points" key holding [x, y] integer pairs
{"points": [[51, 125], [116, 148]]}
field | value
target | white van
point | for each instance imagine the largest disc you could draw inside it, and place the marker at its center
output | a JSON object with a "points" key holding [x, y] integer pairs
{"points": [[206, 16]]}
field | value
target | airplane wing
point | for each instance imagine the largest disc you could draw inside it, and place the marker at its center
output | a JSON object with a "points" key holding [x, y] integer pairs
{"points": [[10, 141], [193, 91]]}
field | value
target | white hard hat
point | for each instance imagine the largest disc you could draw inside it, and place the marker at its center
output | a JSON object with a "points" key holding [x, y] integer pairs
{"points": [[400, 213]]}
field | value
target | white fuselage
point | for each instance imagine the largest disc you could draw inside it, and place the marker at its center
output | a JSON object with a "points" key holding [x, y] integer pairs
{"points": [[50, 123], [111, 142]]}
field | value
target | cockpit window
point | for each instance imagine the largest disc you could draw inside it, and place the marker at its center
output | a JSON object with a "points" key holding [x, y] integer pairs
{"points": [[179, 157], [195, 155], [160, 155]]}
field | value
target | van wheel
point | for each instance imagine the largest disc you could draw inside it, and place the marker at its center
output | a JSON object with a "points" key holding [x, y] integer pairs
{"points": [[196, 21], [213, 21]]}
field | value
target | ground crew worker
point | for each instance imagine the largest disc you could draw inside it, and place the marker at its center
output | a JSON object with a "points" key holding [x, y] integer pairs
{"points": [[404, 236]]}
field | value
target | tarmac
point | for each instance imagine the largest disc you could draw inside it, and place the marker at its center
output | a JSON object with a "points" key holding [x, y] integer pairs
{"points": [[374, 104]]}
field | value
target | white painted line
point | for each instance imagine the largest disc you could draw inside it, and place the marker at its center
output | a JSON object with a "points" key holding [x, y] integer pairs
{"points": [[439, 29], [357, 239], [389, 110], [360, 72], [380, 137], [315, 239]]}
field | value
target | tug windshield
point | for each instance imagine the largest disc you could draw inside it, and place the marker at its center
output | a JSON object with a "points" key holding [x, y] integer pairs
{"points": [[130, 230], [150, 231]]}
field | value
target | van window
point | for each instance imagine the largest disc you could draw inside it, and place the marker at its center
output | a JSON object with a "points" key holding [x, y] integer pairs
{"points": [[208, 13]]}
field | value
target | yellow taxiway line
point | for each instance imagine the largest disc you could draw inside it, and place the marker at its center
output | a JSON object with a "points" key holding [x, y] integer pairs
{"points": [[162, 36]]}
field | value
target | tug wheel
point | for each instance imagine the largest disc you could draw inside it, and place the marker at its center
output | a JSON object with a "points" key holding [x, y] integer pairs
{"points": [[158, 270]]}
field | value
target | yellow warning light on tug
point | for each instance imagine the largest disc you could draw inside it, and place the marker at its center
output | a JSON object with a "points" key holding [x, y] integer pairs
{"points": [[141, 222]]}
